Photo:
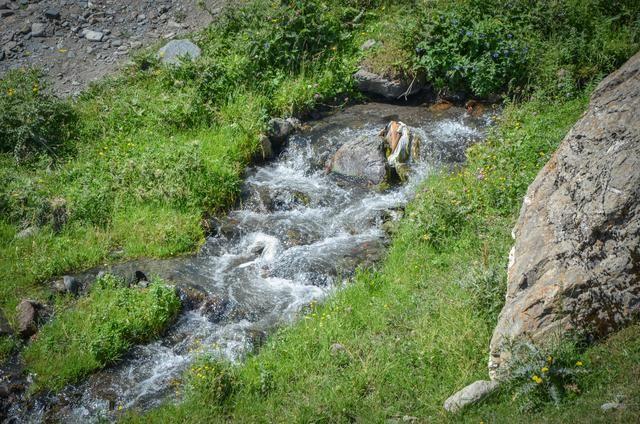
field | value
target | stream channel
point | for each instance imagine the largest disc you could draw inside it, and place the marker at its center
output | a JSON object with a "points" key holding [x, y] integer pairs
{"points": [[298, 234]]}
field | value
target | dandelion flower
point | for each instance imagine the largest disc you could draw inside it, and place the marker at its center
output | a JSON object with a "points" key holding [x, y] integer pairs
{"points": [[579, 364], [537, 379], [544, 369]]}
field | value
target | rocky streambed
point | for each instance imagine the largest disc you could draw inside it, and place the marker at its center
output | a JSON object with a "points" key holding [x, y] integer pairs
{"points": [[299, 233]]}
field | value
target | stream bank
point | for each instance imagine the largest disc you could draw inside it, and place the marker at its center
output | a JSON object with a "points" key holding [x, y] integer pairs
{"points": [[298, 234]]}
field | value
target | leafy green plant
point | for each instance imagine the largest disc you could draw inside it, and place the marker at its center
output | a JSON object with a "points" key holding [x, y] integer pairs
{"points": [[520, 47], [461, 53], [7, 346], [31, 119], [538, 376], [98, 330], [210, 382], [488, 288]]}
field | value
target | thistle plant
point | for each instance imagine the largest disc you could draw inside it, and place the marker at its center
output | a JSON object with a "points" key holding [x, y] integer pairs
{"points": [[539, 377]]}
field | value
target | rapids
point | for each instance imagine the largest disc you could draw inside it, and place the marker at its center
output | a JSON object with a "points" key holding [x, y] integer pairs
{"points": [[296, 236]]}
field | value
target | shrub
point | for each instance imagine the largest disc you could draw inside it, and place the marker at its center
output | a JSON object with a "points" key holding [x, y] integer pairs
{"points": [[31, 119], [98, 330], [481, 56], [520, 47], [539, 376]]}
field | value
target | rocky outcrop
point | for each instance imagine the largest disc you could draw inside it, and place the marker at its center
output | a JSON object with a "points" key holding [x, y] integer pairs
{"points": [[391, 88], [576, 260], [362, 158]]}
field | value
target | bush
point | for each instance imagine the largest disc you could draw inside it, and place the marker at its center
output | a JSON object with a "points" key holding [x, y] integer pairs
{"points": [[481, 56], [538, 377], [98, 330], [31, 119], [520, 47]]}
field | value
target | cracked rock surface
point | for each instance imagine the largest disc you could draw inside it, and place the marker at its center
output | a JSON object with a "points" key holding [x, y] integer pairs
{"points": [[576, 260]]}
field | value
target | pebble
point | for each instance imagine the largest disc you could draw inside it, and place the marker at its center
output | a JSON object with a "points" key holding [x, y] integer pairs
{"points": [[52, 13], [93, 35], [37, 30]]}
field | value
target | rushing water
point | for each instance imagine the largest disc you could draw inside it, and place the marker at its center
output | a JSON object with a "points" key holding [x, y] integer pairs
{"points": [[298, 233]]}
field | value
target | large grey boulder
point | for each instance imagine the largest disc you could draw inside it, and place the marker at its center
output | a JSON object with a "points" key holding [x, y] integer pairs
{"points": [[362, 158], [576, 260], [391, 88], [172, 52], [471, 394]]}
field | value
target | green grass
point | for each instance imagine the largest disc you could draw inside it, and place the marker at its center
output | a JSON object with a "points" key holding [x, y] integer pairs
{"points": [[416, 329], [7, 346], [98, 330], [154, 149]]}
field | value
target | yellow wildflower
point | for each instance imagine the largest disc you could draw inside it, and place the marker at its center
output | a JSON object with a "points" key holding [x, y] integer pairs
{"points": [[537, 379], [579, 364], [544, 369], [550, 359]]}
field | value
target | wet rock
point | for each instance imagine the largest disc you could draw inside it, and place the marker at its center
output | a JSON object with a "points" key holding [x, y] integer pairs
{"points": [[471, 394], [71, 285], [391, 88], [38, 30], [95, 36], [172, 52], [191, 297], [27, 317], [140, 276], [576, 259], [362, 158], [5, 328], [266, 150], [214, 308], [281, 129]]}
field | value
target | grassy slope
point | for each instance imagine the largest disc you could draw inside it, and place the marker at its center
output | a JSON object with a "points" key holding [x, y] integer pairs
{"points": [[417, 329], [159, 149]]}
